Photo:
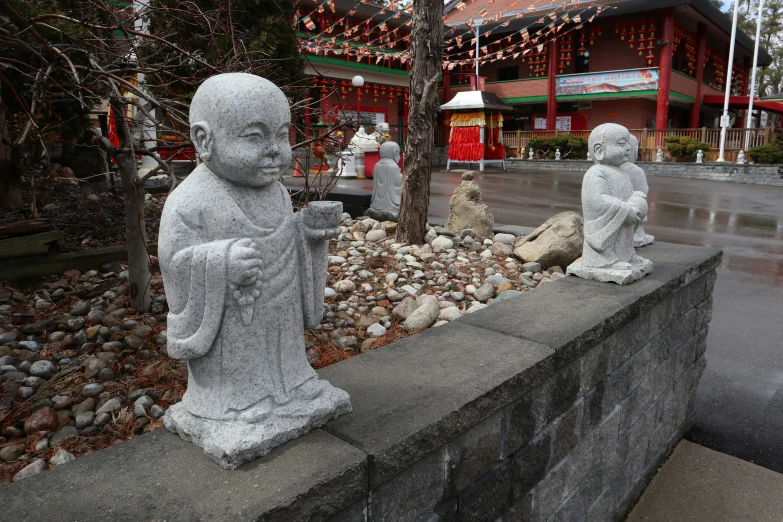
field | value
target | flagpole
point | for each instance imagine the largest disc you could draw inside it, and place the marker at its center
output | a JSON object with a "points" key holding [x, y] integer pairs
{"points": [[749, 118], [724, 123], [476, 28]]}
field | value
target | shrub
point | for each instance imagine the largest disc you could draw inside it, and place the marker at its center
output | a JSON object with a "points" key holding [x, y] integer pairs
{"points": [[571, 147], [683, 148], [769, 154]]}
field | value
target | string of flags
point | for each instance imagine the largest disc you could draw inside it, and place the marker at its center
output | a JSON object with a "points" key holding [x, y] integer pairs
{"points": [[355, 42]]}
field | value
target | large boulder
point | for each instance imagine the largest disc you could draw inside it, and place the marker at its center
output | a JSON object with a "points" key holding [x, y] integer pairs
{"points": [[467, 211], [558, 242]]}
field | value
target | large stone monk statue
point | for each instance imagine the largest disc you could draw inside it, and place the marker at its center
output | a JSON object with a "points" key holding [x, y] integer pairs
{"points": [[244, 275], [612, 209]]}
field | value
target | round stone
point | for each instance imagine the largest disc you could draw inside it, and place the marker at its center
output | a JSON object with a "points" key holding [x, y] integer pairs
{"points": [[42, 369], [376, 330], [92, 390]]}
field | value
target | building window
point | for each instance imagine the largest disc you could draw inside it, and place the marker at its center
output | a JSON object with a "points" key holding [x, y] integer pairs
{"points": [[508, 73]]}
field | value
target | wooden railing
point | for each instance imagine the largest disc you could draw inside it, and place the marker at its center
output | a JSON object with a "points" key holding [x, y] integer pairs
{"points": [[650, 140]]}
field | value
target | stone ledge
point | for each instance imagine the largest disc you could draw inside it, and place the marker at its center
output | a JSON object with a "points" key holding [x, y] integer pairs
{"points": [[441, 396], [159, 476]]}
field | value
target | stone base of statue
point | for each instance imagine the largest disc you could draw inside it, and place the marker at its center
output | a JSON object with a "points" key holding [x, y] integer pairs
{"points": [[620, 273], [382, 215], [233, 443], [642, 239]]}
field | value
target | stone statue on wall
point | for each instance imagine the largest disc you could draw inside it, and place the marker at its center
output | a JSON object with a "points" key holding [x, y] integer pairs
{"points": [[639, 181], [244, 275], [387, 184], [613, 210]]}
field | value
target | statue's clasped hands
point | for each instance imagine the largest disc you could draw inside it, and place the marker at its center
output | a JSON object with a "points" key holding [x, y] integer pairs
{"points": [[244, 264]]}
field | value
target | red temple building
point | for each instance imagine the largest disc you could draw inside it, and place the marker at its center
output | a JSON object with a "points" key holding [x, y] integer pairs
{"points": [[650, 65], [342, 39]]}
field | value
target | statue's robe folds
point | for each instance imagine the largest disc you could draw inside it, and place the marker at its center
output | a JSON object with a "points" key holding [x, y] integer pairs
{"points": [[235, 366], [386, 186], [608, 238]]}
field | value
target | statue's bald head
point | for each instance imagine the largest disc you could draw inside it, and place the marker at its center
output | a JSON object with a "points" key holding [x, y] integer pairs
{"points": [[225, 97], [239, 124]]}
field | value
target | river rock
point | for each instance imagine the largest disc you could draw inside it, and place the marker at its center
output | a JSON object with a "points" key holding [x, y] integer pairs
{"points": [[558, 241], [422, 317]]}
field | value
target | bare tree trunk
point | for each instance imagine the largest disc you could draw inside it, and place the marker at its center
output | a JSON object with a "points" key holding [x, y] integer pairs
{"points": [[11, 166], [426, 48], [135, 226]]}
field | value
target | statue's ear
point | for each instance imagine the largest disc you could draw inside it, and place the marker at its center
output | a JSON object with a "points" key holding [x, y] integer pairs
{"points": [[599, 152], [201, 136]]}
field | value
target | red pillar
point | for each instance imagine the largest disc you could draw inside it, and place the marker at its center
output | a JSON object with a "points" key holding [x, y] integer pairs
{"points": [[665, 72], [701, 47], [551, 101]]}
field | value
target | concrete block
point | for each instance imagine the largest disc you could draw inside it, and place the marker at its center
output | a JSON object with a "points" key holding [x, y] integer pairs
{"points": [[593, 311], [525, 418], [549, 494], [416, 395], [412, 494], [567, 431], [593, 408], [530, 463], [564, 390], [473, 454], [167, 478], [489, 497], [595, 365]]}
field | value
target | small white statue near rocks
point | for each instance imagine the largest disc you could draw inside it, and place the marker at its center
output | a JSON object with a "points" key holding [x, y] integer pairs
{"points": [[741, 158], [659, 156], [613, 210], [639, 181], [700, 156], [244, 275], [531, 153], [557, 155], [386, 184]]}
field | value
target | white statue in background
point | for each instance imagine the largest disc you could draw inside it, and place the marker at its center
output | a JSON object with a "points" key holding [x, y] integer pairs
{"points": [[386, 184], [613, 210], [244, 275]]}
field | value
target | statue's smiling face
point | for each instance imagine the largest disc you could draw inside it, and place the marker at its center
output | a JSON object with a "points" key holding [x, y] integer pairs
{"points": [[253, 149]]}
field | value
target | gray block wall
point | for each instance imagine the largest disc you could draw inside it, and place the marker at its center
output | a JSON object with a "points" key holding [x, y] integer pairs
{"points": [[731, 172], [559, 404]]}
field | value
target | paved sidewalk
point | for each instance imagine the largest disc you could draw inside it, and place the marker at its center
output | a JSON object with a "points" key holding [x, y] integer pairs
{"points": [[699, 484]]}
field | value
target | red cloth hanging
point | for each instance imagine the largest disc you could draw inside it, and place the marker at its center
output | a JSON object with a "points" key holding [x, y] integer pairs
{"points": [[465, 144]]}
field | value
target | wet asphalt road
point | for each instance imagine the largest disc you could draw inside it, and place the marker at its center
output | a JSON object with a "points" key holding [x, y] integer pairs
{"points": [[739, 407]]}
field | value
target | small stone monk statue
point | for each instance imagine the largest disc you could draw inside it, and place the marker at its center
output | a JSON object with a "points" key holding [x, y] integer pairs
{"points": [[387, 184], [639, 180], [612, 210], [244, 274]]}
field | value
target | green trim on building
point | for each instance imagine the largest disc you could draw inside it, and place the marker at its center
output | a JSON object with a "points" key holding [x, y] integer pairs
{"points": [[684, 97], [525, 99], [355, 65]]}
